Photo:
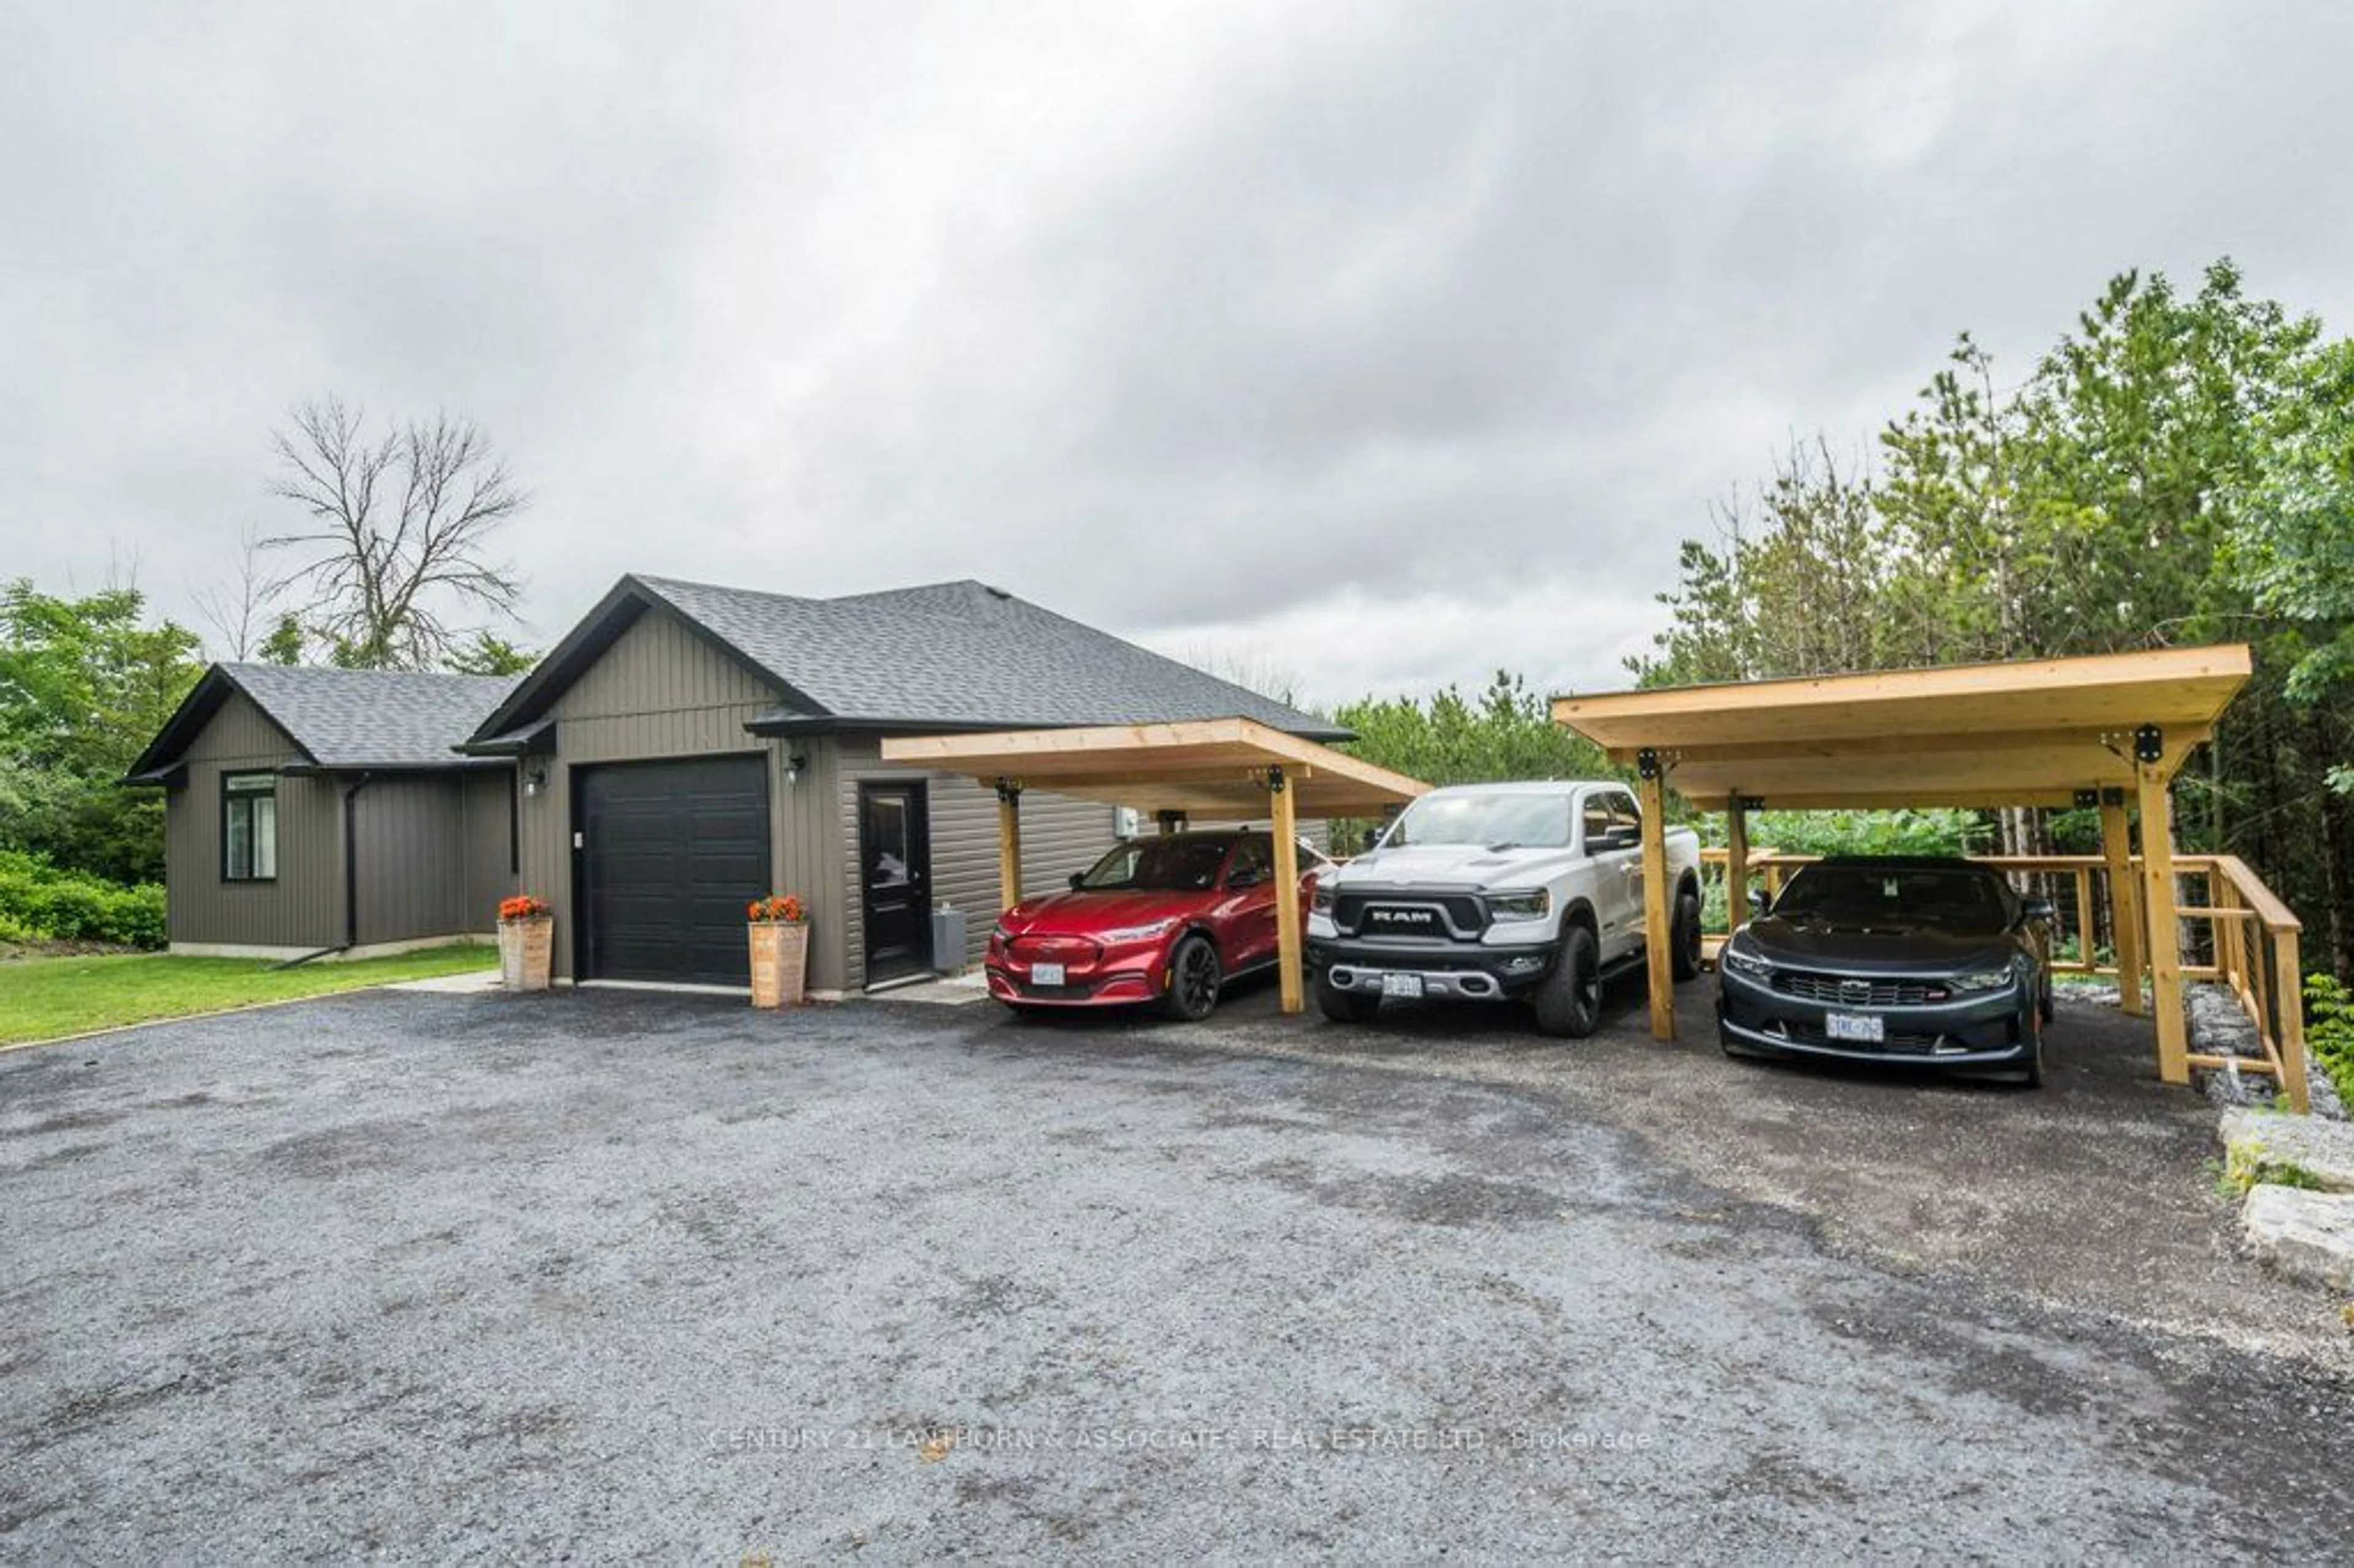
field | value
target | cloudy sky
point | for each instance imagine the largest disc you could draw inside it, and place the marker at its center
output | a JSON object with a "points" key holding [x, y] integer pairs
{"points": [[1376, 346]]}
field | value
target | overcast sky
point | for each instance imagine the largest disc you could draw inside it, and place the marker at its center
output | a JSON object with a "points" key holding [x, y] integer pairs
{"points": [[1379, 345]]}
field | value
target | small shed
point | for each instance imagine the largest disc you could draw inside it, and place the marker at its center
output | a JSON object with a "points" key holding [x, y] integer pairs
{"points": [[2111, 730], [1228, 768]]}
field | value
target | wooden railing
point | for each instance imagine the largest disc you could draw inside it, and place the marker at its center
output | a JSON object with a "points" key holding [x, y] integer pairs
{"points": [[2251, 949]]}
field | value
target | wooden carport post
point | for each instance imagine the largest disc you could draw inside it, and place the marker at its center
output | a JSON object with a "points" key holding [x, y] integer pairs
{"points": [[1652, 788], [2150, 776], [2124, 898], [1736, 862], [1008, 841], [1291, 994]]}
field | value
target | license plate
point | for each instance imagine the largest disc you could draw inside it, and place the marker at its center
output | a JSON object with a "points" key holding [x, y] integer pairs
{"points": [[1402, 985], [1046, 974], [1867, 1027]]}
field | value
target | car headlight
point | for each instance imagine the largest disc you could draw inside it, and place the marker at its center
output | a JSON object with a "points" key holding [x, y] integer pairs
{"points": [[1531, 905], [1743, 962], [1982, 980], [1156, 931]]}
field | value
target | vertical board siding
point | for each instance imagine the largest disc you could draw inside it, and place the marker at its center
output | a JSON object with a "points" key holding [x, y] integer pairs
{"points": [[303, 907], [661, 690], [489, 846], [1059, 836], [410, 857]]}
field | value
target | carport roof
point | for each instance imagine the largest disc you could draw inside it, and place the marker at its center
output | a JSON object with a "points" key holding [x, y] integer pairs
{"points": [[2020, 733], [1205, 767]]}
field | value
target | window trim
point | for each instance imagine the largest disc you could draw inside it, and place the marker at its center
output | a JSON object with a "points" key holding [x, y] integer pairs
{"points": [[240, 788]]}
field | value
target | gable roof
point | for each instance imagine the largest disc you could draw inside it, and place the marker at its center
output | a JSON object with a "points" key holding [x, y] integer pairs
{"points": [[956, 655], [339, 719]]}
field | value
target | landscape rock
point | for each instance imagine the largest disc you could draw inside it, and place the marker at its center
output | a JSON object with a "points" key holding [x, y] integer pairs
{"points": [[2304, 1234], [2262, 1145]]}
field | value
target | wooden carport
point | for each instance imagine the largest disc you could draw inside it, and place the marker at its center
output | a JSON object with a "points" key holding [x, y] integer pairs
{"points": [[1232, 770], [2103, 730]]}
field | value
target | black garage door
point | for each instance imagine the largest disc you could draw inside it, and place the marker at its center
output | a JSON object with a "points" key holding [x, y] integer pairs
{"points": [[671, 852]]}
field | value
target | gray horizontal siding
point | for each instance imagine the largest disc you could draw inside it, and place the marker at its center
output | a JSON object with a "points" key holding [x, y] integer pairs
{"points": [[1059, 836]]}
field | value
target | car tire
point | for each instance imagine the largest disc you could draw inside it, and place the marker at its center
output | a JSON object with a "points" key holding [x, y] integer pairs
{"points": [[1193, 980], [1684, 936], [2029, 1072], [1345, 1006], [1568, 1002]]}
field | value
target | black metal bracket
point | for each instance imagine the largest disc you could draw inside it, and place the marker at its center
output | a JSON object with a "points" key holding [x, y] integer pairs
{"points": [[1275, 784], [2087, 797], [1170, 821], [2149, 743], [2113, 795], [1008, 792], [1749, 803], [1647, 763]]}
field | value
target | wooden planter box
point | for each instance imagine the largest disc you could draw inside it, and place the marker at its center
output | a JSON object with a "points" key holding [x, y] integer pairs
{"points": [[779, 962], [527, 952]]}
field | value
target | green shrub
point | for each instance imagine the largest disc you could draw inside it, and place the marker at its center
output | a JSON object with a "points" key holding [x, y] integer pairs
{"points": [[2329, 1031], [36, 901]]}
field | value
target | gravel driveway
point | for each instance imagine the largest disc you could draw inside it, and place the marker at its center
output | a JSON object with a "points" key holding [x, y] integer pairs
{"points": [[605, 1276]]}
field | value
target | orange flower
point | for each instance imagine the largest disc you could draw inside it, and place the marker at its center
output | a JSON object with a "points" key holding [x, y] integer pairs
{"points": [[523, 906], [780, 908]]}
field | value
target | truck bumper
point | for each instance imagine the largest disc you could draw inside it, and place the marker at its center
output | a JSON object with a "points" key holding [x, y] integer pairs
{"points": [[1446, 971]]}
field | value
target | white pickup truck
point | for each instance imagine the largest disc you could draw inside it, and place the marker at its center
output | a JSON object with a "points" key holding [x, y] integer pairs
{"points": [[1498, 892]]}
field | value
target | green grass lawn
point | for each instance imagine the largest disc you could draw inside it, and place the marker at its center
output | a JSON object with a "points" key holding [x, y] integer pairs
{"points": [[41, 999]]}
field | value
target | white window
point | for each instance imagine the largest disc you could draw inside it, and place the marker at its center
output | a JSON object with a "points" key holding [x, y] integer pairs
{"points": [[248, 827]]}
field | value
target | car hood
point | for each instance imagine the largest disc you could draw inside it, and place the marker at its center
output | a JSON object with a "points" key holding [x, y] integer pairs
{"points": [[1883, 947], [1472, 867], [1078, 914]]}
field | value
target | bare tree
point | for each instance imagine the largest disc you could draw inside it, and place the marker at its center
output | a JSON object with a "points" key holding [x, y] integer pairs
{"points": [[399, 533], [234, 610]]}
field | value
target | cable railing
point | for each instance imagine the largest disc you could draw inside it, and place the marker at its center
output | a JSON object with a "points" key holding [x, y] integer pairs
{"points": [[2249, 950]]}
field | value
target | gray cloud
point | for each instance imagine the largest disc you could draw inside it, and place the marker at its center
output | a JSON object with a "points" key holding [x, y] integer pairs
{"points": [[1382, 345]]}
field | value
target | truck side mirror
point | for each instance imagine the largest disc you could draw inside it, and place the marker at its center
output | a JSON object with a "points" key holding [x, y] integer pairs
{"points": [[1757, 902], [1372, 836]]}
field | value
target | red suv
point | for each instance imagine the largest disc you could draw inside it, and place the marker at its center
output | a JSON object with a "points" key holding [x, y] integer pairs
{"points": [[1167, 920]]}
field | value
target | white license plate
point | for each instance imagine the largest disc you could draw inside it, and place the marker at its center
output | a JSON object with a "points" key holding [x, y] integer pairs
{"points": [[1867, 1027], [1402, 985], [1046, 974]]}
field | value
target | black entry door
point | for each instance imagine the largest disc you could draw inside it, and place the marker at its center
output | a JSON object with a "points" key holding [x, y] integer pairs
{"points": [[895, 859], [671, 852]]}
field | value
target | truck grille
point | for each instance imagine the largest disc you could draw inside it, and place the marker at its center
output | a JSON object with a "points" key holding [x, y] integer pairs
{"points": [[1424, 916], [1854, 990]]}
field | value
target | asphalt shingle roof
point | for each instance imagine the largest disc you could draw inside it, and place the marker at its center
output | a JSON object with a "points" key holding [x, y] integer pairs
{"points": [[962, 653], [373, 718]]}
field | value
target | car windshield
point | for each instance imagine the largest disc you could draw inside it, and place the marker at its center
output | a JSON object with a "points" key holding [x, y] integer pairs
{"points": [[1540, 821], [1180, 865], [1964, 902]]}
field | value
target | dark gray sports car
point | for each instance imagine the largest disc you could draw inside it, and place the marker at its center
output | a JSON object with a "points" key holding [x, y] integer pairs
{"points": [[1921, 961]]}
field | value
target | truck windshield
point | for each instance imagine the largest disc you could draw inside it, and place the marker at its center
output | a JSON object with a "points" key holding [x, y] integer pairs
{"points": [[1495, 821]]}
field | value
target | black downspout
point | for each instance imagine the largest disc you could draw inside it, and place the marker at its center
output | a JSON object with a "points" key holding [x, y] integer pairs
{"points": [[351, 883]]}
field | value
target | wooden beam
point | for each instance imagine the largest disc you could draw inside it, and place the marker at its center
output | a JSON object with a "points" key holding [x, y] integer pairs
{"points": [[1657, 896], [1290, 990], [1825, 796], [1736, 865], [2084, 931], [2125, 902], [2290, 996], [1009, 842], [2165, 941], [2117, 743]]}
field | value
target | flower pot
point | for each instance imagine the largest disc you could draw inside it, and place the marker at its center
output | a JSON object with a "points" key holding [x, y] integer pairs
{"points": [[779, 962], [527, 952]]}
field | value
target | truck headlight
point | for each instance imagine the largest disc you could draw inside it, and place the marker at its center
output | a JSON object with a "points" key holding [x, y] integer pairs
{"points": [[1532, 906], [1981, 980], [1321, 900]]}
